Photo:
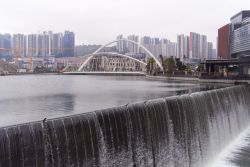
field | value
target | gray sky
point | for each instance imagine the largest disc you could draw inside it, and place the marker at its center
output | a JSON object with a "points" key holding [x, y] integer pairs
{"points": [[100, 21]]}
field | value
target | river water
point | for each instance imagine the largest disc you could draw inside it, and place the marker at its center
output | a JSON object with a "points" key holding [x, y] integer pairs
{"points": [[208, 129], [35, 97]]}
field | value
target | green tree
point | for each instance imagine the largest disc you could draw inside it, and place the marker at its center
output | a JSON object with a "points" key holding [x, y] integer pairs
{"points": [[179, 65], [169, 65], [150, 67], [200, 68]]}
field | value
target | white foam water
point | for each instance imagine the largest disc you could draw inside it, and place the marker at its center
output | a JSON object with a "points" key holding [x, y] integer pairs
{"points": [[229, 153]]}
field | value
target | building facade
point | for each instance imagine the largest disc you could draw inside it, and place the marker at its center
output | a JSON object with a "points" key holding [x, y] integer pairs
{"points": [[5, 44], [68, 44], [57, 45], [194, 45], [198, 48], [133, 48], [234, 38], [44, 44], [224, 42], [240, 45], [203, 47], [122, 45], [19, 45], [158, 46], [113, 63], [182, 47], [32, 45]]}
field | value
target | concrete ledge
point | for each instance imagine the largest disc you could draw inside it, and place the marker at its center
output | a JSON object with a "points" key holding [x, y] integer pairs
{"points": [[165, 78], [194, 79], [107, 73]]}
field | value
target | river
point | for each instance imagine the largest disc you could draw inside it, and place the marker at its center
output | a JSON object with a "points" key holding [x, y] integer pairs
{"points": [[35, 97]]}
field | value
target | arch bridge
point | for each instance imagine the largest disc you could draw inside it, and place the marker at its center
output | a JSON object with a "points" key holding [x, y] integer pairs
{"points": [[97, 53]]}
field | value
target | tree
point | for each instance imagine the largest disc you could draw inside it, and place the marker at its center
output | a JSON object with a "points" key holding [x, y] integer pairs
{"points": [[169, 65], [200, 68], [150, 67], [162, 62], [179, 65]]}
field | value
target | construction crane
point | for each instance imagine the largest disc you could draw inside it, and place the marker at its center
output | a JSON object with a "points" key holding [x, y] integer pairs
{"points": [[16, 55]]}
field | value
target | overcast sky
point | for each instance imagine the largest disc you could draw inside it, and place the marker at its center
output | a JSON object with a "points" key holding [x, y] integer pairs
{"points": [[100, 21]]}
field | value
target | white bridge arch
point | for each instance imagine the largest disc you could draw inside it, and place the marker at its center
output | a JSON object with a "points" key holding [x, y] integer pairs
{"points": [[97, 52]]}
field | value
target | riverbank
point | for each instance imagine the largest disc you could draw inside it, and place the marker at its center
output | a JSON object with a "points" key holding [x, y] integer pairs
{"points": [[195, 79], [106, 73], [29, 73]]}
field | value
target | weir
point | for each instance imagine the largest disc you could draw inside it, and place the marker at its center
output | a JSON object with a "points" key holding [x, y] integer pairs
{"points": [[180, 131]]}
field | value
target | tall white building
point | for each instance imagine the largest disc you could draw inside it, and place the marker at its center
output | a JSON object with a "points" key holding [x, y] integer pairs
{"points": [[146, 42], [194, 46], [198, 46], [158, 46], [133, 48], [168, 48], [209, 51], [203, 47], [121, 45], [182, 47]]}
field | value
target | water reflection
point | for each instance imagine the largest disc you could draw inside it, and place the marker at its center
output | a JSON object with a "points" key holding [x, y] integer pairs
{"points": [[35, 108], [57, 102]]}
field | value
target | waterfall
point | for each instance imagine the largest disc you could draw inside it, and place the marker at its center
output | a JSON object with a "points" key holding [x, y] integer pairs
{"points": [[181, 131]]}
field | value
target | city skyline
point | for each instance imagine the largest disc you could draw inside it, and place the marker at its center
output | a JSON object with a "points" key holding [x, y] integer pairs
{"points": [[49, 43], [44, 44], [157, 18]]}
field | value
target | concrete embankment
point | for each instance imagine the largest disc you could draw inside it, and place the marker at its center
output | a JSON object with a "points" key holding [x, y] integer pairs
{"points": [[195, 79], [106, 73]]}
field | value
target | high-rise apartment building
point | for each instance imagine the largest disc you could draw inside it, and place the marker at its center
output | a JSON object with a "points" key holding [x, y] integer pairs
{"points": [[146, 40], [197, 47], [158, 46], [182, 47], [155, 47], [6, 44], [210, 51], [43, 44], [32, 45], [57, 44], [19, 45], [121, 45], [203, 47], [186, 47], [194, 45], [68, 44], [133, 48], [168, 48]]}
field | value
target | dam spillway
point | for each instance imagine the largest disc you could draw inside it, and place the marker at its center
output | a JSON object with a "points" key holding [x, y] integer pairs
{"points": [[180, 131]]}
